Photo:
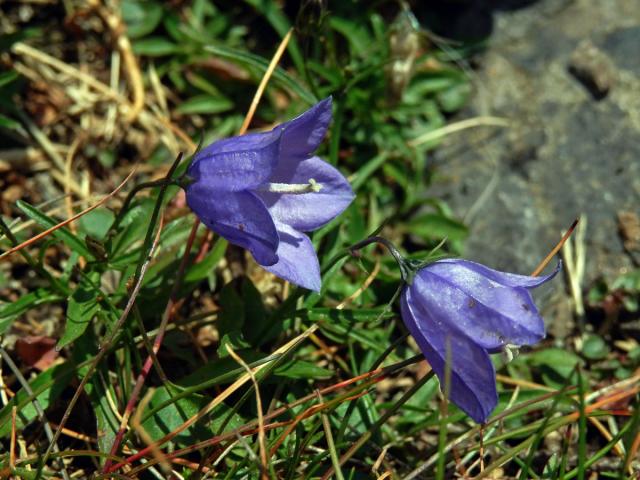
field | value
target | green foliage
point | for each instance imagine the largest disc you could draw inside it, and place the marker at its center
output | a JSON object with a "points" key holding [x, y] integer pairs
{"points": [[82, 306], [209, 61], [47, 388]]}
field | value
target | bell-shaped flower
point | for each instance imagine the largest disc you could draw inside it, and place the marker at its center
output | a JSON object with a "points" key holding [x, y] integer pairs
{"points": [[459, 312], [261, 191]]}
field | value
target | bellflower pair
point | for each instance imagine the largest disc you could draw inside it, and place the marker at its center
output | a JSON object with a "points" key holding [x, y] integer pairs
{"points": [[261, 191], [459, 312]]}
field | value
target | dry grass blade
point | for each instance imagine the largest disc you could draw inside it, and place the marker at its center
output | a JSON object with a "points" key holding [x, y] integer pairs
{"points": [[567, 419], [523, 383], [171, 307], [137, 426], [132, 69], [261, 437], [458, 126], [12, 444], [168, 313], [368, 281], [105, 346], [618, 447], [49, 231], [226, 393], [251, 429], [53, 441], [555, 249], [263, 83], [574, 264], [89, 95]]}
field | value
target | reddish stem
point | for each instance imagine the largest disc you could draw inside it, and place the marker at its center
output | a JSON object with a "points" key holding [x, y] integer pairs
{"points": [[378, 373], [172, 306]]}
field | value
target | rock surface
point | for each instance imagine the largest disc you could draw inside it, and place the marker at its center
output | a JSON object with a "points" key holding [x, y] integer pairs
{"points": [[566, 153]]}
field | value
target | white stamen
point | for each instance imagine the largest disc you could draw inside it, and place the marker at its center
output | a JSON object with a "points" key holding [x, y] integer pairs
{"points": [[295, 188], [509, 352]]}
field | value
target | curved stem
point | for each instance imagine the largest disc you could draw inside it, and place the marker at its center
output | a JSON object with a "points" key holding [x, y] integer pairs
{"points": [[383, 418], [166, 317], [406, 272], [163, 182]]}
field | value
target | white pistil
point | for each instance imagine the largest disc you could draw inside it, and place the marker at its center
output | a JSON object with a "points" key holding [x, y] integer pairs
{"points": [[295, 188]]}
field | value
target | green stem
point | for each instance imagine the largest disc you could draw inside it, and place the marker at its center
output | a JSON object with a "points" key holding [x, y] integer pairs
{"points": [[381, 421], [164, 183]]}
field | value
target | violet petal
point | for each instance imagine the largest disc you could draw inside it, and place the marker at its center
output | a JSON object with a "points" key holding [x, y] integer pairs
{"points": [[489, 313], [302, 135], [297, 260], [237, 163], [503, 278], [309, 211], [240, 217], [473, 384]]}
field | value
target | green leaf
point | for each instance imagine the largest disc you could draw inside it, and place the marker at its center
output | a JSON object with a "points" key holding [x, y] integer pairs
{"points": [[629, 282], [340, 333], [216, 371], [155, 47], [255, 321], [302, 369], [232, 313], [280, 22], [233, 339], [98, 390], [172, 24], [454, 98], [357, 35], [47, 387], [422, 87], [368, 169], [175, 414], [437, 226], [10, 311], [21, 34], [333, 76], [9, 123], [201, 270], [83, 306], [561, 362], [205, 104], [141, 16], [134, 226], [346, 316], [8, 77], [97, 223], [63, 234], [259, 63], [595, 348], [202, 83]]}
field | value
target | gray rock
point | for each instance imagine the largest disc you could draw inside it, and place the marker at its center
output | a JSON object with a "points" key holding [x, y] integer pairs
{"points": [[593, 68], [623, 45], [565, 154]]}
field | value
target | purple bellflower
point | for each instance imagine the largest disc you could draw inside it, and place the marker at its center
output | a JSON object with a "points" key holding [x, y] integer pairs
{"points": [[262, 190], [459, 312]]}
